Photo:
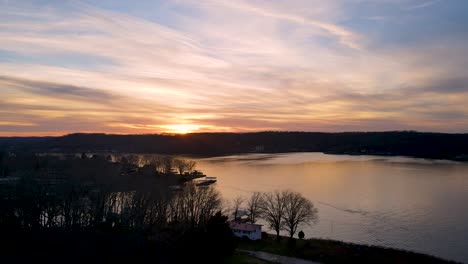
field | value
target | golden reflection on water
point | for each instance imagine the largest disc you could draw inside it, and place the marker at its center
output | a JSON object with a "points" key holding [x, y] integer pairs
{"points": [[398, 202]]}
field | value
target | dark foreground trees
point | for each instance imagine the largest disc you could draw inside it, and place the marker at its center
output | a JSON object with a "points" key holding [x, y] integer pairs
{"points": [[91, 210], [193, 205], [206, 245]]}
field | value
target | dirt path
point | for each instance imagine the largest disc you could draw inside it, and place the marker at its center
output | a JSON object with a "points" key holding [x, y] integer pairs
{"points": [[277, 258]]}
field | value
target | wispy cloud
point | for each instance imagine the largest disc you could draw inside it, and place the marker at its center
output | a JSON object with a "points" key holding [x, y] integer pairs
{"points": [[212, 65], [423, 4], [346, 37]]}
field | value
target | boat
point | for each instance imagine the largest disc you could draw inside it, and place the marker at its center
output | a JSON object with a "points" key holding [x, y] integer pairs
{"points": [[175, 187], [206, 181]]}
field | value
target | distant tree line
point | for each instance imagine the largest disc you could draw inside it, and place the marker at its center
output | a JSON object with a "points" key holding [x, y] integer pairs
{"points": [[408, 143]]}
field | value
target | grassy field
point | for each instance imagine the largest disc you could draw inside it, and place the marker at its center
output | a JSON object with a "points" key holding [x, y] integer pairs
{"points": [[329, 251]]}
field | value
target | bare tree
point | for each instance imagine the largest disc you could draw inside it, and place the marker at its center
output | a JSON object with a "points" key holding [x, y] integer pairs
{"points": [[298, 210], [167, 164], [236, 206], [133, 159], [273, 208], [156, 161], [254, 207], [191, 166], [181, 165], [195, 205]]}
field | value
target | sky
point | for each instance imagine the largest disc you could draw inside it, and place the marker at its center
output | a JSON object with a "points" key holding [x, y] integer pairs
{"points": [[182, 66]]}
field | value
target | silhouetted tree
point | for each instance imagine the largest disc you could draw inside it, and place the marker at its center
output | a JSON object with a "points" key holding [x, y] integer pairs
{"points": [[236, 206], [208, 244], [273, 208], [194, 205], [191, 165], [133, 159], [155, 161], [297, 210], [254, 207], [167, 164], [221, 241], [180, 165]]}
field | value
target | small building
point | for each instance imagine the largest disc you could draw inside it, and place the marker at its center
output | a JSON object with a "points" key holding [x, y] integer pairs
{"points": [[251, 231], [240, 216], [259, 148]]}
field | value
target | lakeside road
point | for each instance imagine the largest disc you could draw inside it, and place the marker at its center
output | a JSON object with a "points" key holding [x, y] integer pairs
{"points": [[277, 258]]}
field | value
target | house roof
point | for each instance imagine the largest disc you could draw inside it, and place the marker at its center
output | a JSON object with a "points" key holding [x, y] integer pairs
{"points": [[240, 213], [244, 226]]}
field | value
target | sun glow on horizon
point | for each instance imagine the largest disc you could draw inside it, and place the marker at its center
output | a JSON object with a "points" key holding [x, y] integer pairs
{"points": [[181, 128]]}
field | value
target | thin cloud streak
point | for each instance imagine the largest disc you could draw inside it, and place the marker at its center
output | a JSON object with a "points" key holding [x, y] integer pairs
{"points": [[423, 5], [345, 36]]}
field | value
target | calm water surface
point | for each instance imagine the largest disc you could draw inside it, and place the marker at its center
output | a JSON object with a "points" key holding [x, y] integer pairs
{"points": [[398, 202]]}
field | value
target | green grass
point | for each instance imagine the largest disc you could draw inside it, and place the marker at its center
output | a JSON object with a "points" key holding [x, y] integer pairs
{"points": [[243, 258], [330, 251]]}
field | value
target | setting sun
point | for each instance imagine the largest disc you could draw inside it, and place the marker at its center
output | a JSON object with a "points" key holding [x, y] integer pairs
{"points": [[181, 129]]}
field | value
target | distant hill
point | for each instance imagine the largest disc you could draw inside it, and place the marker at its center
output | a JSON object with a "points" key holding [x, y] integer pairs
{"points": [[407, 143]]}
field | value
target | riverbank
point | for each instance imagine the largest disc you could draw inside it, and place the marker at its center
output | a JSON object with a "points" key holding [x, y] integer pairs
{"points": [[457, 158], [330, 251]]}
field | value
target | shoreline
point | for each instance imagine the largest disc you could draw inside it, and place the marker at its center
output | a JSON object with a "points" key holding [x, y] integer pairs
{"points": [[377, 155], [334, 251]]}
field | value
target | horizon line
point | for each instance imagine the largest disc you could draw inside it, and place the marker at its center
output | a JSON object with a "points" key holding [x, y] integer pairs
{"points": [[224, 132]]}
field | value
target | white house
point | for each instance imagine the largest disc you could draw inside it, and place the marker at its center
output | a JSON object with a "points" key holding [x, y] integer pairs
{"points": [[251, 231]]}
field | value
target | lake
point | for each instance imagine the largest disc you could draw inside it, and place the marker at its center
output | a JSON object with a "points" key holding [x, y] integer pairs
{"points": [[407, 203]]}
